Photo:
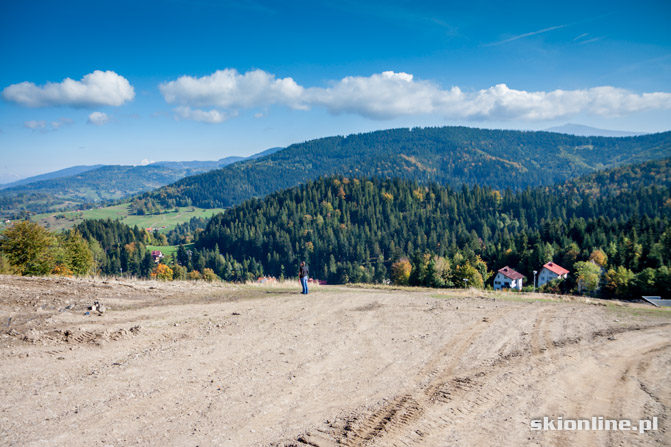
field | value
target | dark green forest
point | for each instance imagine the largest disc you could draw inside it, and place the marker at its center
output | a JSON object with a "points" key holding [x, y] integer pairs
{"points": [[118, 248], [447, 155], [623, 178], [354, 230]]}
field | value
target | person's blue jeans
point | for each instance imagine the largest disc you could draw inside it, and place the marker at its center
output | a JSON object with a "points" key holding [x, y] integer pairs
{"points": [[304, 283]]}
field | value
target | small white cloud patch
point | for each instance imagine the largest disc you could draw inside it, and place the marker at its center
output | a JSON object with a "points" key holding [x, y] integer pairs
{"points": [[98, 118], [100, 88], [43, 126], [35, 124], [205, 116], [60, 123]]}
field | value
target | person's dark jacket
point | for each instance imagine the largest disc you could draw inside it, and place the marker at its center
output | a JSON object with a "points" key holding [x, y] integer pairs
{"points": [[303, 271]]}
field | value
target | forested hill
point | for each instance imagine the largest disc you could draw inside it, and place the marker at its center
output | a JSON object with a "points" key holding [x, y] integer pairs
{"points": [[447, 155], [622, 179], [351, 230]]}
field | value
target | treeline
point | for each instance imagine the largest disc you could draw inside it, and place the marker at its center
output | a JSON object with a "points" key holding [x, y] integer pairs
{"points": [[118, 248], [352, 230], [98, 247], [185, 233], [452, 156], [621, 179], [28, 249]]}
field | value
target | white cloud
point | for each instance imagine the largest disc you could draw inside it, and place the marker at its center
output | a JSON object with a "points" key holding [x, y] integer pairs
{"points": [[35, 124], [146, 162], [229, 89], [501, 102], [380, 96], [98, 118], [42, 126], [95, 89], [205, 116], [61, 122], [389, 95]]}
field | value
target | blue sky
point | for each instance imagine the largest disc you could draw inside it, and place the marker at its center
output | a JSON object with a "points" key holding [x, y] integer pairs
{"points": [[128, 82]]}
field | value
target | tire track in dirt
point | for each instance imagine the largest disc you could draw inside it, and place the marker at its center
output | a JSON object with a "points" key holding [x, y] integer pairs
{"points": [[462, 405], [536, 334], [431, 379], [448, 402], [609, 393], [461, 400], [76, 336], [649, 386], [441, 386], [404, 409]]}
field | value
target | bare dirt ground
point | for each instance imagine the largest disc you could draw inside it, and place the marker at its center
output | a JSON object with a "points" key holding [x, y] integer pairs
{"points": [[197, 364]]}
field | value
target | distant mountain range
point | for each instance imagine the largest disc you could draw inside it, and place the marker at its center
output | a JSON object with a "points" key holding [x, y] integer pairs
{"points": [[67, 172], [447, 155], [586, 131], [78, 185], [198, 166]]}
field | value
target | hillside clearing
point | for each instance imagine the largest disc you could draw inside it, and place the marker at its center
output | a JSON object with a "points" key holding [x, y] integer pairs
{"points": [[162, 222], [194, 363]]}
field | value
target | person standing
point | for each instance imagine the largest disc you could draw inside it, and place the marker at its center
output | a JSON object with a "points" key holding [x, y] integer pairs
{"points": [[303, 273]]}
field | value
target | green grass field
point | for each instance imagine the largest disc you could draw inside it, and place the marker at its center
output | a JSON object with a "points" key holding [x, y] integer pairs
{"points": [[167, 250], [162, 222]]}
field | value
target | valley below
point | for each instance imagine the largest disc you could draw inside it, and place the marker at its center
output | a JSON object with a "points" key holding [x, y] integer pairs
{"points": [[197, 363]]}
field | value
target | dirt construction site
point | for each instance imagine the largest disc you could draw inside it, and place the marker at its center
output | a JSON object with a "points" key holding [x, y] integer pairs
{"points": [[213, 364]]}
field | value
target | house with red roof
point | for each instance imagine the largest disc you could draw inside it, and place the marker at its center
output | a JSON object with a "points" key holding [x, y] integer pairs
{"points": [[551, 271], [157, 255], [507, 278]]}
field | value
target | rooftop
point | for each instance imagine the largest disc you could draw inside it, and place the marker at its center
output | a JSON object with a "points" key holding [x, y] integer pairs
{"points": [[510, 273], [554, 268]]}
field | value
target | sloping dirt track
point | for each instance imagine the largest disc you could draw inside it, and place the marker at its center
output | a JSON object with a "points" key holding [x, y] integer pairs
{"points": [[197, 364]]}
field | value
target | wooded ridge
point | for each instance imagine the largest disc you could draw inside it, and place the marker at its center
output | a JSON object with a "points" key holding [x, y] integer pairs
{"points": [[447, 155]]}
